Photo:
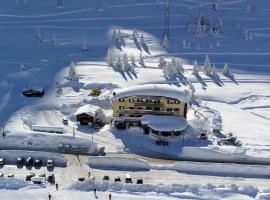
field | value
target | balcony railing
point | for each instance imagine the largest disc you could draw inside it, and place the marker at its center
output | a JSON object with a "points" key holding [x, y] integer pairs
{"points": [[136, 111]]}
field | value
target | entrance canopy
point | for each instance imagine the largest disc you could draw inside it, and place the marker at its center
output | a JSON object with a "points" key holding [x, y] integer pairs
{"points": [[164, 122]]}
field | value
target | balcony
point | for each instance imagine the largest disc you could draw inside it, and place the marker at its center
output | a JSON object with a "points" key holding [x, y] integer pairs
{"points": [[144, 112]]}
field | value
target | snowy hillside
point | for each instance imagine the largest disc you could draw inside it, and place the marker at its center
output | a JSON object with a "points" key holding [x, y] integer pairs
{"points": [[68, 50]]}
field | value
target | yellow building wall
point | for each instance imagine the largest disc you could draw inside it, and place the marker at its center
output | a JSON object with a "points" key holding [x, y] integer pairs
{"points": [[163, 105]]}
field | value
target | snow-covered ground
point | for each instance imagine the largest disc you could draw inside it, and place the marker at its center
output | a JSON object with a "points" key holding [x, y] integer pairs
{"points": [[241, 104]]}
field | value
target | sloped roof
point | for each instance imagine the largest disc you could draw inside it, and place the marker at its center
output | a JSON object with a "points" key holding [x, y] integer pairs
{"points": [[87, 109], [164, 90], [164, 122]]}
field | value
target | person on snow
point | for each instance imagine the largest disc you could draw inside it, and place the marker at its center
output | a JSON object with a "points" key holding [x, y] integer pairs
{"points": [[110, 196], [56, 186], [49, 196]]}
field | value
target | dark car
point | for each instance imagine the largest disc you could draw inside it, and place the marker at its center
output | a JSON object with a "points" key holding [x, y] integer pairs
{"points": [[51, 178], [106, 178], [38, 163], [20, 161], [29, 176], [29, 161], [139, 181], [117, 179]]}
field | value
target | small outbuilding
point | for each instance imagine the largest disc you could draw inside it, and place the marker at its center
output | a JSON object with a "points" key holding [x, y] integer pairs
{"points": [[89, 114], [34, 92]]}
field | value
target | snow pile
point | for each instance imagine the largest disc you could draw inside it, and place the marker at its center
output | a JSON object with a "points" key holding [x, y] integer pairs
{"points": [[12, 184], [170, 190], [119, 163]]}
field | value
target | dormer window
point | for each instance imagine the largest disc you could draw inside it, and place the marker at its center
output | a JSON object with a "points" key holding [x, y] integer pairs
{"points": [[121, 100]]}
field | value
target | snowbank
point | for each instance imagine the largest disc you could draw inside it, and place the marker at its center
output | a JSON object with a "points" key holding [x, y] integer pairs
{"points": [[12, 184], [119, 164], [170, 190]]}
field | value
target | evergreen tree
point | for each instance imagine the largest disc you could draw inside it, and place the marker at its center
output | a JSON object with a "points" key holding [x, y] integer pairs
{"points": [[22, 67], [72, 72], [114, 35], [207, 66], [142, 41], [195, 70], [118, 65], [165, 42], [132, 60], [141, 62], [162, 63], [213, 70], [126, 64], [226, 70], [179, 67], [39, 35], [84, 46]]}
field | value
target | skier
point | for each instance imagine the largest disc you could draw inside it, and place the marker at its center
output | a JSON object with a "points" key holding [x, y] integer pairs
{"points": [[110, 196], [89, 174], [56, 186], [50, 196]]}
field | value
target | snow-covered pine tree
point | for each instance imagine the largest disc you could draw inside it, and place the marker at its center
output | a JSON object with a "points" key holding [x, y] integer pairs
{"points": [[84, 46], [59, 3], [114, 35], [132, 60], [184, 44], [110, 58], [141, 62], [118, 65], [72, 72], [213, 70], [165, 42], [39, 35], [179, 67], [192, 93], [22, 67], [226, 70], [126, 64], [195, 70], [162, 63], [207, 66]]}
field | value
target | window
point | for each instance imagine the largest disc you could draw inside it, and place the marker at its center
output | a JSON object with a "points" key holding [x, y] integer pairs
{"points": [[176, 102], [169, 109], [121, 100], [131, 100], [176, 109], [131, 108], [148, 108], [139, 108], [156, 108], [170, 101], [121, 107]]}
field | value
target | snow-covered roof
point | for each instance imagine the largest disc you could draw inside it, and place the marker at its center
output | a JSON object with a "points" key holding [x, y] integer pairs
{"points": [[164, 122], [87, 109], [164, 90]]}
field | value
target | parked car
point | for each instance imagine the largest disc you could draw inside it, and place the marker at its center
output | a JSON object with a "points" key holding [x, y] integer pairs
{"points": [[81, 179], [38, 180], [20, 161], [50, 163], [106, 178], [1, 175], [2, 162], [10, 175], [128, 178], [29, 161], [38, 163], [203, 136], [139, 181], [51, 178], [117, 179], [65, 121], [29, 176]]}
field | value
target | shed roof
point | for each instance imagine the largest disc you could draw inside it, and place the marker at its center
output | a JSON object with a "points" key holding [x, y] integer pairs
{"points": [[164, 122], [87, 109], [164, 90]]}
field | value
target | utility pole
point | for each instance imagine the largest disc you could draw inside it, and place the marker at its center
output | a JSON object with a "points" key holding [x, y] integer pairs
{"points": [[166, 31]]}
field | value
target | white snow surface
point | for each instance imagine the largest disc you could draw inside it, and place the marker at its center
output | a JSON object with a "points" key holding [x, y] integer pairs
{"points": [[87, 109]]}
